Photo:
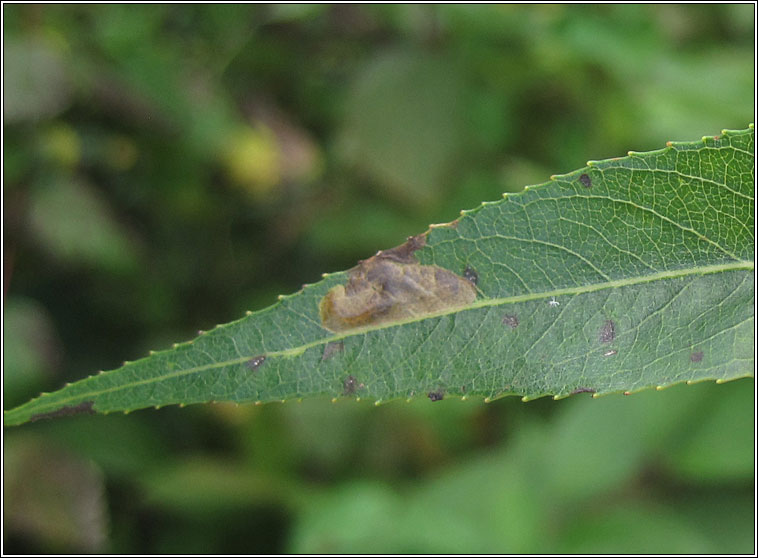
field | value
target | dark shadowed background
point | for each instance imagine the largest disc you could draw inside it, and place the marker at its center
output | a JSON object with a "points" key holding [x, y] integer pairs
{"points": [[167, 168]]}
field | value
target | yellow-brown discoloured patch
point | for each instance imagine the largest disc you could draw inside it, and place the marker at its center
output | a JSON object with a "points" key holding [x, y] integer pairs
{"points": [[393, 286]]}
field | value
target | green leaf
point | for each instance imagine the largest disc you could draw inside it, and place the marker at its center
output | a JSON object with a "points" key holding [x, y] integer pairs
{"points": [[627, 274]]}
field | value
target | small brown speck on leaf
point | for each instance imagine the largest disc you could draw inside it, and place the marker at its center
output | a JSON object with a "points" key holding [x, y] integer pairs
{"points": [[510, 320], [351, 385], [85, 407], [696, 356], [608, 332], [586, 181], [437, 395], [471, 274], [255, 363]]}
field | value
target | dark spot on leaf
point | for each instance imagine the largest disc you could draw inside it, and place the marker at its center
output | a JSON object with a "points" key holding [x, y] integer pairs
{"points": [[608, 332], [463, 389], [510, 320], [351, 385], [582, 390], [255, 363], [471, 274], [437, 395], [332, 348], [696, 356], [67, 411], [586, 180]]}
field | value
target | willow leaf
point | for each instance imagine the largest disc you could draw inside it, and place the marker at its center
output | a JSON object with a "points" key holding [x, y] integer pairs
{"points": [[630, 273]]}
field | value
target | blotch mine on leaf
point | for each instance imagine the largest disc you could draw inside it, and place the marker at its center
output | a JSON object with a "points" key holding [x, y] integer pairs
{"points": [[86, 407], [393, 286], [510, 320], [350, 385], [696, 356], [471, 274], [586, 180], [437, 395], [608, 332], [612, 352], [332, 348], [255, 362]]}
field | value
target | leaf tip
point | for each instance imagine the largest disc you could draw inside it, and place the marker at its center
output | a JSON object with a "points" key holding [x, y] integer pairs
{"points": [[249, 313], [487, 399], [281, 297]]}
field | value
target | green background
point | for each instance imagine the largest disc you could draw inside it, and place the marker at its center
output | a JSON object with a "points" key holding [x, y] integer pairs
{"points": [[167, 168]]}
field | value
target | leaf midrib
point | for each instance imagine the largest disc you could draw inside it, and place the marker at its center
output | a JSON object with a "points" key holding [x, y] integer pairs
{"points": [[481, 303]]}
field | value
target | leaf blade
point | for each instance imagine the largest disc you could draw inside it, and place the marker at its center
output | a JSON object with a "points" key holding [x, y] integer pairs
{"points": [[587, 283]]}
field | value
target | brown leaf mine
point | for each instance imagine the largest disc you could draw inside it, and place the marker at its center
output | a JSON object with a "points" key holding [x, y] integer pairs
{"points": [[393, 286]]}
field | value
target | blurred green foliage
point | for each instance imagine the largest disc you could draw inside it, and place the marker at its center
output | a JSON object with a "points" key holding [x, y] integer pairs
{"points": [[168, 167]]}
